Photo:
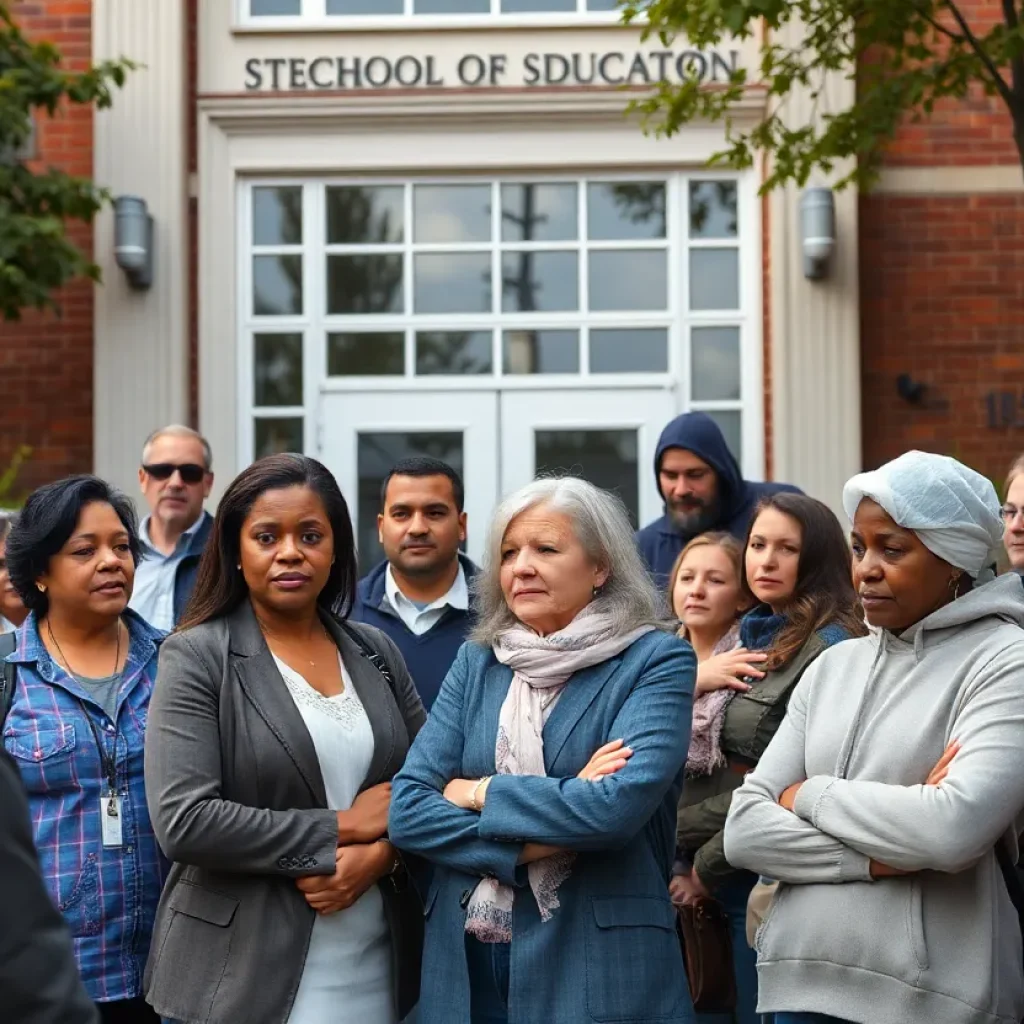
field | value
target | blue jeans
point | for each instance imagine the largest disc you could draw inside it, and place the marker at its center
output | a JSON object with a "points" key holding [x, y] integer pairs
{"points": [[489, 966], [787, 1017], [733, 896]]}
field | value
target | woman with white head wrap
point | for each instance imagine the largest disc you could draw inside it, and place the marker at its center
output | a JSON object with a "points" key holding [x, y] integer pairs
{"points": [[898, 770]]}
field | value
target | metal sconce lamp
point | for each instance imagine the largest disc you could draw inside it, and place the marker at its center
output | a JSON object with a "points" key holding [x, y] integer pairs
{"points": [[133, 240], [817, 231]]}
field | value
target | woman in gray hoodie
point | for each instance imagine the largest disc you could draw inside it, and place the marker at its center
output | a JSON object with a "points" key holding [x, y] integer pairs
{"points": [[898, 769]]}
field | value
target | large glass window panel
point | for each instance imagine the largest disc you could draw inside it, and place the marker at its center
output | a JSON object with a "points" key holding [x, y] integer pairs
{"points": [[529, 6], [541, 352], [277, 368], [364, 6], [274, 436], [629, 350], [365, 214], [277, 215], [539, 212], [607, 458], [454, 352], [626, 209], [628, 279], [730, 423], [361, 283], [713, 206], [544, 282], [715, 363], [444, 214], [268, 8], [376, 453], [365, 354], [277, 285], [714, 279], [452, 282], [451, 6]]}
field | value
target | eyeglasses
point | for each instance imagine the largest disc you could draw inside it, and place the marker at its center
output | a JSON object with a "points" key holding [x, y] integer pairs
{"points": [[190, 472], [1010, 512]]}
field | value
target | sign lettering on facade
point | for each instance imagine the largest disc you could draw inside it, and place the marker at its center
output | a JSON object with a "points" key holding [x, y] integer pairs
{"points": [[491, 70]]}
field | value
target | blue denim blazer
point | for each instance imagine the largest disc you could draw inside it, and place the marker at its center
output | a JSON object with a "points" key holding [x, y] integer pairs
{"points": [[610, 952]]}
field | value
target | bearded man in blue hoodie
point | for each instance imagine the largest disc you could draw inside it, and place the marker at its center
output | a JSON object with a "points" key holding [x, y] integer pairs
{"points": [[703, 489]]}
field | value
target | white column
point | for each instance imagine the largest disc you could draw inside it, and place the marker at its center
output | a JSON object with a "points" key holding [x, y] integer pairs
{"points": [[815, 331], [141, 337]]}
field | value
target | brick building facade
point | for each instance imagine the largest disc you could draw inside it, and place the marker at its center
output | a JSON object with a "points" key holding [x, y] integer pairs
{"points": [[928, 274]]}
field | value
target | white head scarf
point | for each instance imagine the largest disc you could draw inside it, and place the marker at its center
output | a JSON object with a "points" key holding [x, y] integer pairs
{"points": [[952, 509]]}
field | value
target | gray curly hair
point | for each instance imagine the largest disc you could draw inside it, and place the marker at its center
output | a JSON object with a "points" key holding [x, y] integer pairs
{"points": [[601, 525]]}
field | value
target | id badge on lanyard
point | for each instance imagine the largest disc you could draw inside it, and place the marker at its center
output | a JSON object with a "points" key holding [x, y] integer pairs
{"points": [[111, 820]]}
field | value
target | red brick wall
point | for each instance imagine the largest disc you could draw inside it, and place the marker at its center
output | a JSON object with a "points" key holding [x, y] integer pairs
{"points": [[46, 361], [942, 292], [942, 299]]}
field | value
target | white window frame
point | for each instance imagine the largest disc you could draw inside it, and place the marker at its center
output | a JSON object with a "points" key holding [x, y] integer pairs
{"points": [[314, 16], [314, 324]]}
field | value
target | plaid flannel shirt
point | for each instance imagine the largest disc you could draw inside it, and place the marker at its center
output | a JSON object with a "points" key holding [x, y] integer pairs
{"points": [[108, 896]]}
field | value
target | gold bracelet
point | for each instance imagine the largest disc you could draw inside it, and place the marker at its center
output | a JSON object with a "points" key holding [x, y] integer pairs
{"points": [[474, 791]]}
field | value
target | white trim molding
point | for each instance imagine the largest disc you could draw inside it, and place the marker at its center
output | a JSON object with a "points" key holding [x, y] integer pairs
{"points": [[141, 337], [815, 326], [950, 181]]}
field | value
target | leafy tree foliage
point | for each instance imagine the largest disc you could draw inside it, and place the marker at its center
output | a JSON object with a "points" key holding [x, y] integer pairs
{"points": [[36, 255], [907, 55]]}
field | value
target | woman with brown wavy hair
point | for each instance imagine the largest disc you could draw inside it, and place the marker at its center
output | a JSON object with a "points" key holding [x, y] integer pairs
{"points": [[797, 571]]}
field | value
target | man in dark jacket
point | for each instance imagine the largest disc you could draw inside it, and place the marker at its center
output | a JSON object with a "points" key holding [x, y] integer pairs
{"points": [[39, 980], [176, 476], [703, 489], [419, 596]]}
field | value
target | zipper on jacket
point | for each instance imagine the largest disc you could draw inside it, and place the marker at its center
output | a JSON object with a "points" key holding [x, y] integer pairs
{"points": [[851, 737]]}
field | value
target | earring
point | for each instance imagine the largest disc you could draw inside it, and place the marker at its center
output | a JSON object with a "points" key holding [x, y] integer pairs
{"points": [[596, 592], [41, 588], [239, 567], [954, 584]]}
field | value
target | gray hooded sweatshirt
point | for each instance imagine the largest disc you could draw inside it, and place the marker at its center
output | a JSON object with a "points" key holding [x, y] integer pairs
{"points": [[865, 727]]}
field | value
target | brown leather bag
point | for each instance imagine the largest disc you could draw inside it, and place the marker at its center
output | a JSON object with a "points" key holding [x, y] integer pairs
{"points": [[707, 954]]}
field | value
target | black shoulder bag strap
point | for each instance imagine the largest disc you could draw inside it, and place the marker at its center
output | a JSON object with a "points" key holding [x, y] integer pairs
{"points": [[1013, 883], [375, 659], [8, 644]]}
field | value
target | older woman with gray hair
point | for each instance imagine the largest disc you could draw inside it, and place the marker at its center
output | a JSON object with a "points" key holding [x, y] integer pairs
{"points": [[889, 802], [543, 787]]}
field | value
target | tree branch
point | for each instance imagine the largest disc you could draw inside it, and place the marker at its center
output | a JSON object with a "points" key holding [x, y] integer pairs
{"points": [[1017, 64], [1000, 83]]}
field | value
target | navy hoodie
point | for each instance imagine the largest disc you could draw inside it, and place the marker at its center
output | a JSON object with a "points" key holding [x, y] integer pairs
{"points": [[661, 541], [427, 656]]}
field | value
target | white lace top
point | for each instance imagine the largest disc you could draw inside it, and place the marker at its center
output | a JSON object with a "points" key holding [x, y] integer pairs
{"points": [[347, 978]]}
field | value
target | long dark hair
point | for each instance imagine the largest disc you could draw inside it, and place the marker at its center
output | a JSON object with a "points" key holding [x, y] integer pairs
{"points": [[45, 525], [220, 586], [824, 594]]}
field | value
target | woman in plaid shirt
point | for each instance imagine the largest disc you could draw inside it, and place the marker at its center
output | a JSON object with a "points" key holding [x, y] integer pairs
{"points": [[85, 672]]}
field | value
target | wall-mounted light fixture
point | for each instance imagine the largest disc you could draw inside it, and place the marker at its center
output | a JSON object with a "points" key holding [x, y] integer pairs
{"points": [[133, 240], [817, 231]]}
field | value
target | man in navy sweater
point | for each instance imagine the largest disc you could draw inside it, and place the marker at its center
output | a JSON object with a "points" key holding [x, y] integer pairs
{"points": [[420, 596]]}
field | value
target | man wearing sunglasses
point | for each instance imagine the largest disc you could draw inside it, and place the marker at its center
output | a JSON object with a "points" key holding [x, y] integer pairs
{"points": [[176, 477]]}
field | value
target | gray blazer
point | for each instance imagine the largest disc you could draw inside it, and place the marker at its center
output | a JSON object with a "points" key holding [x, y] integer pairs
{"points": [[238, 803]]}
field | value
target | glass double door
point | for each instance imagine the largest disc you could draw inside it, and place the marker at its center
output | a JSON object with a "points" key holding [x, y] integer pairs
{"points": [[498, 441]]}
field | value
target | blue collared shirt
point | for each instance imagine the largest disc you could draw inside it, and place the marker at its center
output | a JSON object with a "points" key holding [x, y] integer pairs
{"points": [[108, 895], [153, 592]]}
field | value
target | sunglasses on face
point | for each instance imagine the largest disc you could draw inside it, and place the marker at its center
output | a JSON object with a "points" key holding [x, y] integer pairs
{"points": [[190, 473]]}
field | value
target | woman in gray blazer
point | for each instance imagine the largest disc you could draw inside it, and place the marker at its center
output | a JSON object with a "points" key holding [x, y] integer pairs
{"points": [[273, 736]]}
